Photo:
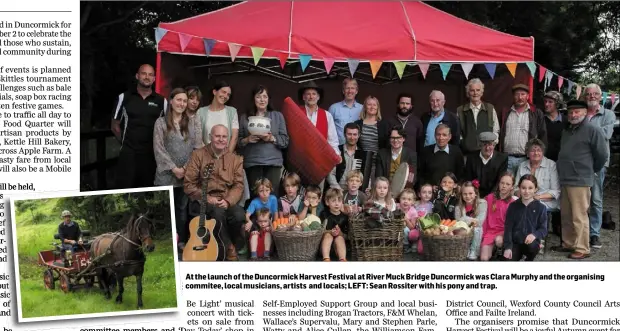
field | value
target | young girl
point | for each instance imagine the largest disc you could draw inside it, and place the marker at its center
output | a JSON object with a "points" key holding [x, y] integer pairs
{"points": [[446, 197], [526, 223], [425, 204], [472, 208], [381, 195], [260, 235], [337, 226], [412, 230], [493, 227], [291, 203], [264, 199]]}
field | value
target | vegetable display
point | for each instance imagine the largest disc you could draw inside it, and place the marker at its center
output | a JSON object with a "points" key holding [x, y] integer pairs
{"points": [[292, 223]]}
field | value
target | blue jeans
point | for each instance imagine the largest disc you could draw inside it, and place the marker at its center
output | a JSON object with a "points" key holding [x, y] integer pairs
{"points": [[596, 204], [513, 164], [69, 247]]}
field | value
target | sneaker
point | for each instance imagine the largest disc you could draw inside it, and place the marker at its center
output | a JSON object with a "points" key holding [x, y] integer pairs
{"points": [[595, 242], [243, 250]]}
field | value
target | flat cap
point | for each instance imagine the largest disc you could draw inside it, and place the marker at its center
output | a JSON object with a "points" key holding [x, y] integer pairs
{"points": [[576, 104], [521, 87], [487, 136]]}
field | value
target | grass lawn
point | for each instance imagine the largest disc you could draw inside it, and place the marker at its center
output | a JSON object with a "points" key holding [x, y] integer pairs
{"points": [[158, 281]]}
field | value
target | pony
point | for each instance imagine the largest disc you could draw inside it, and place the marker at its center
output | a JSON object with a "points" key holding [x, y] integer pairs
{"points": [[121, 254]]}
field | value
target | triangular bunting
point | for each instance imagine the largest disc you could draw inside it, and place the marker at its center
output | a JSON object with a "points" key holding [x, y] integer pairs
{"points": [[560, 82], [424, 68], [304, 59], [613, 98], [512, 67], [445, 68], [159, 34], [234, 50], [570, 86], [353, 65], [541, 73], [374, 67], [209, 43], [257, 53], [604, 98], [548, 78], [467, 68], [400, 68], [532, 66], [184, 40], [329, 63], [578, 91], [283, 57], [491, 69]]}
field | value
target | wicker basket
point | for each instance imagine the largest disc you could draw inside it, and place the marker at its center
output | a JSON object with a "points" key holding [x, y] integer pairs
{"points": [[378, 244], [297, 245], [446, 248]]}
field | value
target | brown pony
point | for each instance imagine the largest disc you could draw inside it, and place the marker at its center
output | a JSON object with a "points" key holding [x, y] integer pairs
{"points": [[120, 254]]}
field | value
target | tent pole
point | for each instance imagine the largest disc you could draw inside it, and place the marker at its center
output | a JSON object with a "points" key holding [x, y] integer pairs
{"points": [[531, 89], [158, 73]]}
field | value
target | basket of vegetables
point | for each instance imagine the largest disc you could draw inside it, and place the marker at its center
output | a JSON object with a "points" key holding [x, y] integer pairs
{"points": [[445, 240], [297, 240]]}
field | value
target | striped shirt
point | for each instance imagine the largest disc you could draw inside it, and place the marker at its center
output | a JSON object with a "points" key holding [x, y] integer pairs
{"points": [[517, 127], [369, 139]]}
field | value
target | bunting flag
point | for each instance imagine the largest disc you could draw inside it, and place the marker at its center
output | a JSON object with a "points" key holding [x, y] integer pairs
{"points": [[329, 64], [257, 53], [304, 59], [159, 34], [283, 57], [532, 66], [374, 67], [578, 91], [604, 98], [541, 73], [512, 67], [423, 68], [209, 43], [467, 68], [445, 68], [234, 50], [613, 98], [400, 68], [548, 78], [570, 86], [184, 40], [491, 69], [560, 82], [353, 65]]}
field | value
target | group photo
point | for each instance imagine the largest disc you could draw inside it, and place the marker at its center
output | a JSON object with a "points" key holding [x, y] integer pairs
{"points": [[291, 142]]}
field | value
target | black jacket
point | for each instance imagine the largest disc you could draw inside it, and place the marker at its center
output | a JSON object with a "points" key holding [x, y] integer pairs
{"points": [[487, 174], [358, 155], [432, 166], [383, 130], [449, 119], [384, 159]]}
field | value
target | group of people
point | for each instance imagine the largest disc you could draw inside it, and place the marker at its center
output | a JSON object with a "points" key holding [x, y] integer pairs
{"points": [[468, 164]]}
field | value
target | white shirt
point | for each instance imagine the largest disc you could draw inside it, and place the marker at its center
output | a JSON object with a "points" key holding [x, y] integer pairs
{"points": [[395, 155], [219, 117], [485, 161], [437, 149], [332, 135], [475, 110]]}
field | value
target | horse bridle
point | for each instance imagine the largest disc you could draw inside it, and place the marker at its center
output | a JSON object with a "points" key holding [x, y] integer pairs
{"points": [[137, 228]]}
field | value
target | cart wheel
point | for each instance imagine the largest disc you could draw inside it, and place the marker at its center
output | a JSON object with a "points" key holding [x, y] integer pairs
{"points": [[48, 279], [89, 281], [65, 283]]}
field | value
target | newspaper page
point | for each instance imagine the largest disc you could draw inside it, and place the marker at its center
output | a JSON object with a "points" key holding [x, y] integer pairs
{"points": [[130, 179]]}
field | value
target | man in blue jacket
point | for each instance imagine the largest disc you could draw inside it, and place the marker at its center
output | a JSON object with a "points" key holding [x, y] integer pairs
{"points": [[583, 152]]}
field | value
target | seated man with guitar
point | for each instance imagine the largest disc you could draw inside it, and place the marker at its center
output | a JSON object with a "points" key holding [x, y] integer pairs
{"points": [[221, 172]]}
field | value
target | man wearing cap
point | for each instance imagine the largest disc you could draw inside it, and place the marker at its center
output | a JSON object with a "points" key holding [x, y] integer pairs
{"points": [[488, 166], [69, 232], [347, 110], [603, 118], [475, 117], [520, 123], [583, 152], [311, 95], [555, 123]]}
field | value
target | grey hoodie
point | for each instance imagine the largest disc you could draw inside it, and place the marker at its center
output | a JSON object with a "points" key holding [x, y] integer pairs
{"points": [[583, 152]]}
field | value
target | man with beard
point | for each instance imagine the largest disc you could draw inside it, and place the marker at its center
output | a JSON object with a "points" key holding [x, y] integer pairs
{"points": [[353, 158], [487, 166], [137, 109], [347, 110], [439, 158], [583, 152], [520, 123], [476, 117], [409, 122], [439, 115], [604, 119], [555, 123], [389, 159]]}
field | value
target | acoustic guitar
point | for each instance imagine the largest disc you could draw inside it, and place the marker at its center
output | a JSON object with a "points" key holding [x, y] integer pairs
{"points": [[205, 242]]}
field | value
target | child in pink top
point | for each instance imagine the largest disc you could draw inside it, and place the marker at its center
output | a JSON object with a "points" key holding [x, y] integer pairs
{"points": [[412, 229], [497, 204]]}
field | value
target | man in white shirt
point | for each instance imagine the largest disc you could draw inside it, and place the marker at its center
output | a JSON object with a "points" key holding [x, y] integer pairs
{"points": [[311, 94]]}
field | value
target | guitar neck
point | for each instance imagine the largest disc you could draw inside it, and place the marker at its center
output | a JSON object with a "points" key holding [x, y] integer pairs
{"points": [[203, 201]]}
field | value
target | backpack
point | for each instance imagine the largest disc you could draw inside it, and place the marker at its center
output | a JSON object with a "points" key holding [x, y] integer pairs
{"points": [[489, 109]]}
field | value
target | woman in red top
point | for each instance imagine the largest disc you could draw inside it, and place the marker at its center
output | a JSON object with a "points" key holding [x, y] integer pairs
{"points": [[493, 228]]}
